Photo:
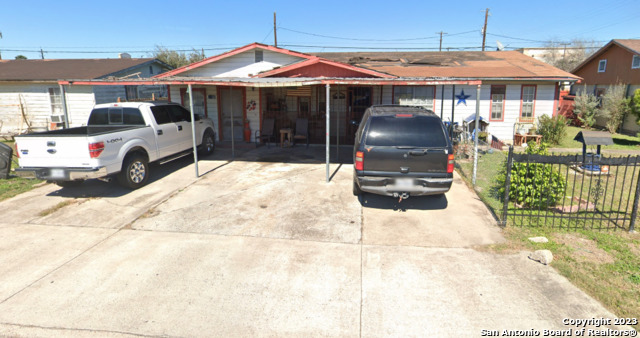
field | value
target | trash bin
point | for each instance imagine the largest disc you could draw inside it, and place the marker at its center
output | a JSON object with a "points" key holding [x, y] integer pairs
{"points": [[5, 160]]}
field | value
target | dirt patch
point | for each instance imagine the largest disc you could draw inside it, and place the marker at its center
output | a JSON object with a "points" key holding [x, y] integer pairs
{"points": [[585, 250]]}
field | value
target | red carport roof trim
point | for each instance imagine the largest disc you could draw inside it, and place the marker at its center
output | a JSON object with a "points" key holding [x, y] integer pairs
{"points": [[229, 54], [359, 81], [316, 60]]}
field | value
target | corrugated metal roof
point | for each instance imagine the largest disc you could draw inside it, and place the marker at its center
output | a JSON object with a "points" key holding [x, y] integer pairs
{"points": [[55, 69], [482, 65]]}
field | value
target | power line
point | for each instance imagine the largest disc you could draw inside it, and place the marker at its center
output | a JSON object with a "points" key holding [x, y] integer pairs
{"points": [[359, 39]]}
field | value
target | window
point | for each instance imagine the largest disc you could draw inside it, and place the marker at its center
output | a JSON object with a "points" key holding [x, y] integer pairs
{"points": [[179, 114], [497, 102], [132, 92], [423, 96], [420, 131], [602, 66], [151, 70], [108, 116], [56, 101], [259, 56], [528, 101], [635, 63], [161, 114], [303, 105]]}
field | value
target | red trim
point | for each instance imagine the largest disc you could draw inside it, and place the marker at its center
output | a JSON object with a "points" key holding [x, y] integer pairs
{"points": [[535, 95], [231, 53], [316, 60], [318, 81], [503, 101], [183, 92]]}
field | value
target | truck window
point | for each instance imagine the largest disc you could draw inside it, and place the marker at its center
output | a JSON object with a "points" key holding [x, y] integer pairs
{"points": [[161, 114], [179, 114], [117, 116], [419, 131]]}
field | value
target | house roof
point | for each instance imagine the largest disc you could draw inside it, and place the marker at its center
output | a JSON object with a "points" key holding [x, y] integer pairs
{"points": [[225, 55], [55, 69], [483, 65], [319, 67], [631, 45]]}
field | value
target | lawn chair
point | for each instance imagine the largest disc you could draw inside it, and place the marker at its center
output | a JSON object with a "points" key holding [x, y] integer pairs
{"points": [[266, 133], [302, 131]]}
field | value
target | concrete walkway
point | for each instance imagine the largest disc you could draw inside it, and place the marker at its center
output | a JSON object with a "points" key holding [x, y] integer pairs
{"points": [[262, 246]]}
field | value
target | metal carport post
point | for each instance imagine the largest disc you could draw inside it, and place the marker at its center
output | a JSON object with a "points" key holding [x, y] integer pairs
{"points": [[328, 86], [193, 131]]}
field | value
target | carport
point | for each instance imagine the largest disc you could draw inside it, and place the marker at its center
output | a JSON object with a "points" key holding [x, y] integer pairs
{"points": [[268, 83]]}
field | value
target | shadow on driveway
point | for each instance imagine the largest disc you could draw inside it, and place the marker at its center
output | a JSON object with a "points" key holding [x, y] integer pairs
{"points": [[435, 202]]}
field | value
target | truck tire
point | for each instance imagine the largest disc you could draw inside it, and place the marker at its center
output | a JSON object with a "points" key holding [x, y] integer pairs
{"points": [[208, 143], [135, 171]]}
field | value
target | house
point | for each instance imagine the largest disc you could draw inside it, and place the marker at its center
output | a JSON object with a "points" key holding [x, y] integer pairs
{"points": [[242, 87], [618, 62], [30, 96]]}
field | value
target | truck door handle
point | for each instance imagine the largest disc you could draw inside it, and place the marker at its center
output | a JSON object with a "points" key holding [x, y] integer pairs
{"points": [[52, 151], [159, 131], [179, 128], [417, 152], [404, 170]]}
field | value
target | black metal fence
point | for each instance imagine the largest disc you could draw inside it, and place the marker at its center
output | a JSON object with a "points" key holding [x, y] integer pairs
{"points": [[571, 191]]}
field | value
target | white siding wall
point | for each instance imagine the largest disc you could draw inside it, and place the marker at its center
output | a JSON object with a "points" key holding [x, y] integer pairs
{"points": [[107, 94], [80, 101], [35, 102], [212, 103], [243, 64]]}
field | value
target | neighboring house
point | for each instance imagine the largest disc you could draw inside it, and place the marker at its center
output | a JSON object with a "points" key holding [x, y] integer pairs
{"points": [[257, 81], [30, 96], [618, 62]]}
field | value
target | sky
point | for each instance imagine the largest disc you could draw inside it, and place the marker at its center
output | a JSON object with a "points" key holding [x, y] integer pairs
{"points": [[102, 29]]}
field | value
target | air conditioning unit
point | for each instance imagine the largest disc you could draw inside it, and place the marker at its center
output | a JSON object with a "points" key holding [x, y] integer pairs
{"points": [[57, 118]]}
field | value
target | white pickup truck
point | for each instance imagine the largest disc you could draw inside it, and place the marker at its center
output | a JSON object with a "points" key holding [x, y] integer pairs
{"points": [[120, 139]]}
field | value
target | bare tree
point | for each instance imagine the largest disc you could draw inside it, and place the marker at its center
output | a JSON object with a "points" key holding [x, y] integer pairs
{"points": [[568, 55], [175, 58]]}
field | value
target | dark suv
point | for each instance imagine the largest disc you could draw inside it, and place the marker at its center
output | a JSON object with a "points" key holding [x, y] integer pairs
{"points": [[402, 151]]}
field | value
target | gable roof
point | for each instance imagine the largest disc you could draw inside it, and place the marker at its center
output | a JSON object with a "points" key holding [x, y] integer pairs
{"points": [[485, 65], [229, 54], [56, 69], [319, 67], [631, 45]]}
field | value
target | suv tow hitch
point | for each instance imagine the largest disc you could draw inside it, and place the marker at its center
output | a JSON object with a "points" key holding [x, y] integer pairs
{"points": [[402, 196]]}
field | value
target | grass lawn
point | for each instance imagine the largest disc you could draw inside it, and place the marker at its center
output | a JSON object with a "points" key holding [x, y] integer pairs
{"points": [[604, 264], [15, 185], [620, 141]]}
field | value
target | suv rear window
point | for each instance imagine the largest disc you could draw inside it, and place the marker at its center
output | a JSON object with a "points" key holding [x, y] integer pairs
{"points": [[418, 131]]}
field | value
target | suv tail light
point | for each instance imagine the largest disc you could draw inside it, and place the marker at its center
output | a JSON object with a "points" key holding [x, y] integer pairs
{"points": [[450, 163], [359, 160], [17, 151], [95, 149]]}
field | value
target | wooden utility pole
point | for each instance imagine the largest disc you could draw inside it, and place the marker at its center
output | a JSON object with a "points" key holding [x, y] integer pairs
{"points": [[275, 33], [484, 29], [441, 32], [42, 53]]}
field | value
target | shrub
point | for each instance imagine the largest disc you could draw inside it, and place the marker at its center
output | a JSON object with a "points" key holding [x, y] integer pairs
{"points": [[614, 107], [536, 185], [552, 129], [634, 105], [585, 106]]}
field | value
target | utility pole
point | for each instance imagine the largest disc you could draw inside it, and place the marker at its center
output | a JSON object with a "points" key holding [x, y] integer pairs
{"points": [[0, 51], [42, 53], [275, 33], [484, 30], [441, 32]]}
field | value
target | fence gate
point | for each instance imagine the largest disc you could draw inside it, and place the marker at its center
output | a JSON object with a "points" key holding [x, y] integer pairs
{"points": [[571, 192]]}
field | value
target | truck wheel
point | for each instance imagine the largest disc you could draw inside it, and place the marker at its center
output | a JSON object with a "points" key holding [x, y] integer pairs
{"points": [[135, 172], [208, 143], [356, 188]]}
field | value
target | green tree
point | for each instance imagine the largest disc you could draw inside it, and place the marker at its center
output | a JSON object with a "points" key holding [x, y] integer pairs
{"points": [[175, 58], [21, 57], [568, 55], [552, 129], [614, 107], [634, 105], [585, 106]]}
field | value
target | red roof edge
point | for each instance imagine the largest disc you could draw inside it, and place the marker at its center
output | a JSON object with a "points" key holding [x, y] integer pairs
{"points": [[315, 60], [229, 54]]}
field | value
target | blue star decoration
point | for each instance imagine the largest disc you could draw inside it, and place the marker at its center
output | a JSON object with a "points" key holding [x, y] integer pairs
{"points": [[462, 98]]}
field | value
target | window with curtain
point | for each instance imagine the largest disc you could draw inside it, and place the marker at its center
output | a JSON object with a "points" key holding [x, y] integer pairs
{"points": [[423, 96], [497, 102], [528, 99]]}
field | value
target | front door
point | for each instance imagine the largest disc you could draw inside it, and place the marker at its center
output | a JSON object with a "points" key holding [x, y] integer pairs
{"points": [[358, 100], [231, 113]]}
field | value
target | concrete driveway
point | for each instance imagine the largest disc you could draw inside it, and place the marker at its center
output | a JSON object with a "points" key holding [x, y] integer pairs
{"points": [[258, 247]]}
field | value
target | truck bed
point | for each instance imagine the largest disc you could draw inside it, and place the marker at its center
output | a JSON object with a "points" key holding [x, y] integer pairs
{"points": [[85, 131]]}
